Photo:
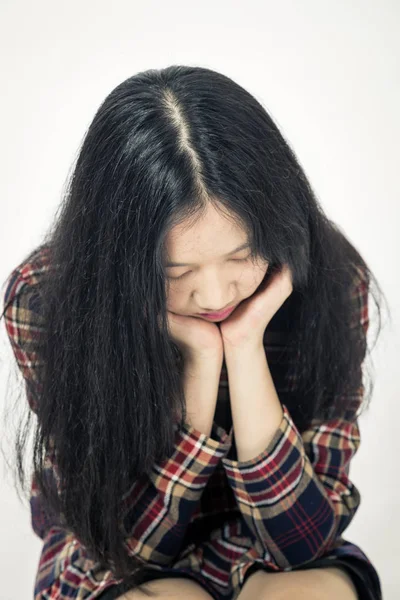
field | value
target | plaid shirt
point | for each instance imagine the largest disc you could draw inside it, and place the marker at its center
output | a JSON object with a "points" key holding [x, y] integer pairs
{"points": [[202, 511]]}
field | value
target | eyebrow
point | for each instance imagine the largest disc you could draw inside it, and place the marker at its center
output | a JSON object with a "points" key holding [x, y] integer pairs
{"points": [[242, 247]]}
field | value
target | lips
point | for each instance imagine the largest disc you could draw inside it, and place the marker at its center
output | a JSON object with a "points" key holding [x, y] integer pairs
{"points": [[220, 315]]}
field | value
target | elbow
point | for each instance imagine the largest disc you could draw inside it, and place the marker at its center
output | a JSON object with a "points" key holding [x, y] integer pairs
{"points": [[328, 533], [316, 538]]}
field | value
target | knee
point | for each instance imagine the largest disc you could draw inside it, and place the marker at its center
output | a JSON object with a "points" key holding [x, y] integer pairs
{"points": [[173, 588], [308, 584]]}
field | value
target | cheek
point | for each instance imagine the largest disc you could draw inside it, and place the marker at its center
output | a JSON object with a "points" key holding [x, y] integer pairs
{"points": [[257, 278], [175, 299], [263, 271], [258, 275]]}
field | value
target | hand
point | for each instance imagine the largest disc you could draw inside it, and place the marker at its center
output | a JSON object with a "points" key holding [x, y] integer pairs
{"points": [[247, 323], [196, 338]]}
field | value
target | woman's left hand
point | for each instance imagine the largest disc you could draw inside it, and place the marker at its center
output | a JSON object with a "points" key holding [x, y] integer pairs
{"points": [[247, 323]]}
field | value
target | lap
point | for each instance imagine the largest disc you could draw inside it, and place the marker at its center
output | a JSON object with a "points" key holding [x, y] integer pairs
{"points": [[326, 583], [170, 588]]}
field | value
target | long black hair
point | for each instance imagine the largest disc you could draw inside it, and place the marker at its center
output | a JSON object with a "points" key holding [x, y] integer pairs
{"points": [[161, 147]]}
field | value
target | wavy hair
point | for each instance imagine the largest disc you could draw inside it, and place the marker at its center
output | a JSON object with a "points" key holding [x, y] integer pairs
{"points": [[162, 145]]}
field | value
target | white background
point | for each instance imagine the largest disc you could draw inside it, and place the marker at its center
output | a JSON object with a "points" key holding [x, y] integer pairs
{"points": [[328, 73]]}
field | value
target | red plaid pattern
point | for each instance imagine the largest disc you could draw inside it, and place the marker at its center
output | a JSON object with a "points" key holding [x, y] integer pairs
{"points": [[200, 511]]}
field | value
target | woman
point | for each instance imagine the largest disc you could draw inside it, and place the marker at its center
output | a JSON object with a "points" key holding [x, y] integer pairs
{"points": [[172, 444]]}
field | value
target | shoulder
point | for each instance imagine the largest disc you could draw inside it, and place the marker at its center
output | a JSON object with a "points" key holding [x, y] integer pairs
{"points": [[28, 272], [23, 284], [23, 317], [22, 304]]}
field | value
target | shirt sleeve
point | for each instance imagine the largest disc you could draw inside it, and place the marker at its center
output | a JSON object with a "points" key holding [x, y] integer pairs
{"points": [[158, 507], [161, 505], [296, 496]]}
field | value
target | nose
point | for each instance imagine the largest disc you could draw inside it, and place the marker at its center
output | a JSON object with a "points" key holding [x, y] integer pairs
{"points": [[215, 307], [214, 296]]}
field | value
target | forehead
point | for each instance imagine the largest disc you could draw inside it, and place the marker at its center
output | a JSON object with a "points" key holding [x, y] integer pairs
{"points": [[212, 232]]}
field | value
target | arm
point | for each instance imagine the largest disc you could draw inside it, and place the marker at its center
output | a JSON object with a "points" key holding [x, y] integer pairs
{"points": [[293, 489], [201, 383], [256, 420], [179, 482], [173, 488]]}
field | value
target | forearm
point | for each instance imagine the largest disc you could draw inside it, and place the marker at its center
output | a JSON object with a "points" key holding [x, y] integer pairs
{"points": [[296, 497], [256, 408], [173, 486], [201, 380]]}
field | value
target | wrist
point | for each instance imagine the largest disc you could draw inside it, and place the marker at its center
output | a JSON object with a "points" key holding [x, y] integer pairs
{"points": [[204, 359], [244, 350]]}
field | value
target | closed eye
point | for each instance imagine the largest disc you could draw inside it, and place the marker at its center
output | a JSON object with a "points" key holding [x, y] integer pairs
{"points": [[232, 259]]}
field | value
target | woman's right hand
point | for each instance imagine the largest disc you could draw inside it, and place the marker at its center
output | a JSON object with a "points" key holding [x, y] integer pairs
{"points": [[196, 338]]}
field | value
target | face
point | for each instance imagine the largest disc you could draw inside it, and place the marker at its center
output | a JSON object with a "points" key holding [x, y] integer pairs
{"points": [[209, 277]]}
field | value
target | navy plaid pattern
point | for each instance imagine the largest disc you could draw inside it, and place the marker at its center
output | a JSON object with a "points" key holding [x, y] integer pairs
{"points": [[202, 512]]}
